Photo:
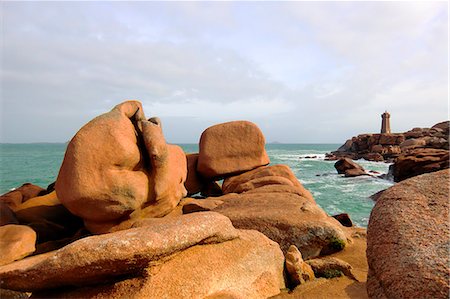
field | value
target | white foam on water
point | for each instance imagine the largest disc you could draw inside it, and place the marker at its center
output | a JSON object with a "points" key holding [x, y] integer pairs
{"points": [[311, 156], [333, 192]]}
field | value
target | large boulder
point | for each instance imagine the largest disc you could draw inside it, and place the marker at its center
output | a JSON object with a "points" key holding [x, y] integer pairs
{"points": [[102, 177], [267, 175], [349, 168], [298, 271], [250, 266], [117, 164], [21, 194], [444, 126], [7, 216], [330, 266], [100, 258], [16, 242], [408, 240], [48, 217], [419, 161], [231, 148], [286, 214]]}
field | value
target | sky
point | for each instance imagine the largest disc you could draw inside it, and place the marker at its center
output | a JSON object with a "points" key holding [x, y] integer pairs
{"points": [[304, 72]]}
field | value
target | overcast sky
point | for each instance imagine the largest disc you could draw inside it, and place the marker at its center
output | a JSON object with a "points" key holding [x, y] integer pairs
{"points": [[304, 72]]}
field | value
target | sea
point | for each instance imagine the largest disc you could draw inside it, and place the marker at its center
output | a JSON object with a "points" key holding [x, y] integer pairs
{"points": [[39, 163]]}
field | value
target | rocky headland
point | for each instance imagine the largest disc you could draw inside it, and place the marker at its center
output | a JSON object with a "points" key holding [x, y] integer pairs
{"points": [[131, 216], [417, 151]]}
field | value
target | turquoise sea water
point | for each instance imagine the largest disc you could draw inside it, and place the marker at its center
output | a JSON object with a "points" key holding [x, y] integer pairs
{"points": [[39, 164]]}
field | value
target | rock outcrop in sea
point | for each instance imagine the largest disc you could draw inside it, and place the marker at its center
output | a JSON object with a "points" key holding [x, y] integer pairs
{"points": [[349, 168], [420, 150], [119, 224]]}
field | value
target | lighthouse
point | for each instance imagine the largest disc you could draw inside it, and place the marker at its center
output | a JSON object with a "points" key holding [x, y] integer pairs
{"points": [[385, 123]]}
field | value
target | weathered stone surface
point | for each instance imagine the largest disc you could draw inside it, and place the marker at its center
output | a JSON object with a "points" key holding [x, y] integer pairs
{"points": [[408, 241], [284, 214], [436, 142], [346, 146], [192, 205], [344, 219], [48, 217], [298, 271], [412, 143], [168, 172], [16, 242], [340, 287], [117, 164], [377, 148], [19, 195], [250, 266], [390, 139], [419, 161], [98, 259], [324, 267], [102, 177], [231, 148], [444, 126], [373, 157], [194, 183], [7, 216], [261, 176], [349, 168]]}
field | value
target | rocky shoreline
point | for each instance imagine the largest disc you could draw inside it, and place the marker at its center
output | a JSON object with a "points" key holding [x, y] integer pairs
{"points": [[418, 151], [125, 220]]}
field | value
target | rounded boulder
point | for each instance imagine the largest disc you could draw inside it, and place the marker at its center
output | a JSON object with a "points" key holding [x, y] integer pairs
{"points": [[231, 148]]}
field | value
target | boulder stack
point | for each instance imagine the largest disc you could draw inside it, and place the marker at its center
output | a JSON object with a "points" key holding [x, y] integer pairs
{"points": [[158, 258], [109, 169], [123, 183], [271, 200], [21, 194], [419, 161]]}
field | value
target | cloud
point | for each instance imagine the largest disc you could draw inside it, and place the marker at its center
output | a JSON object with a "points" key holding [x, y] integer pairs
{"points": [[304, 71]]}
